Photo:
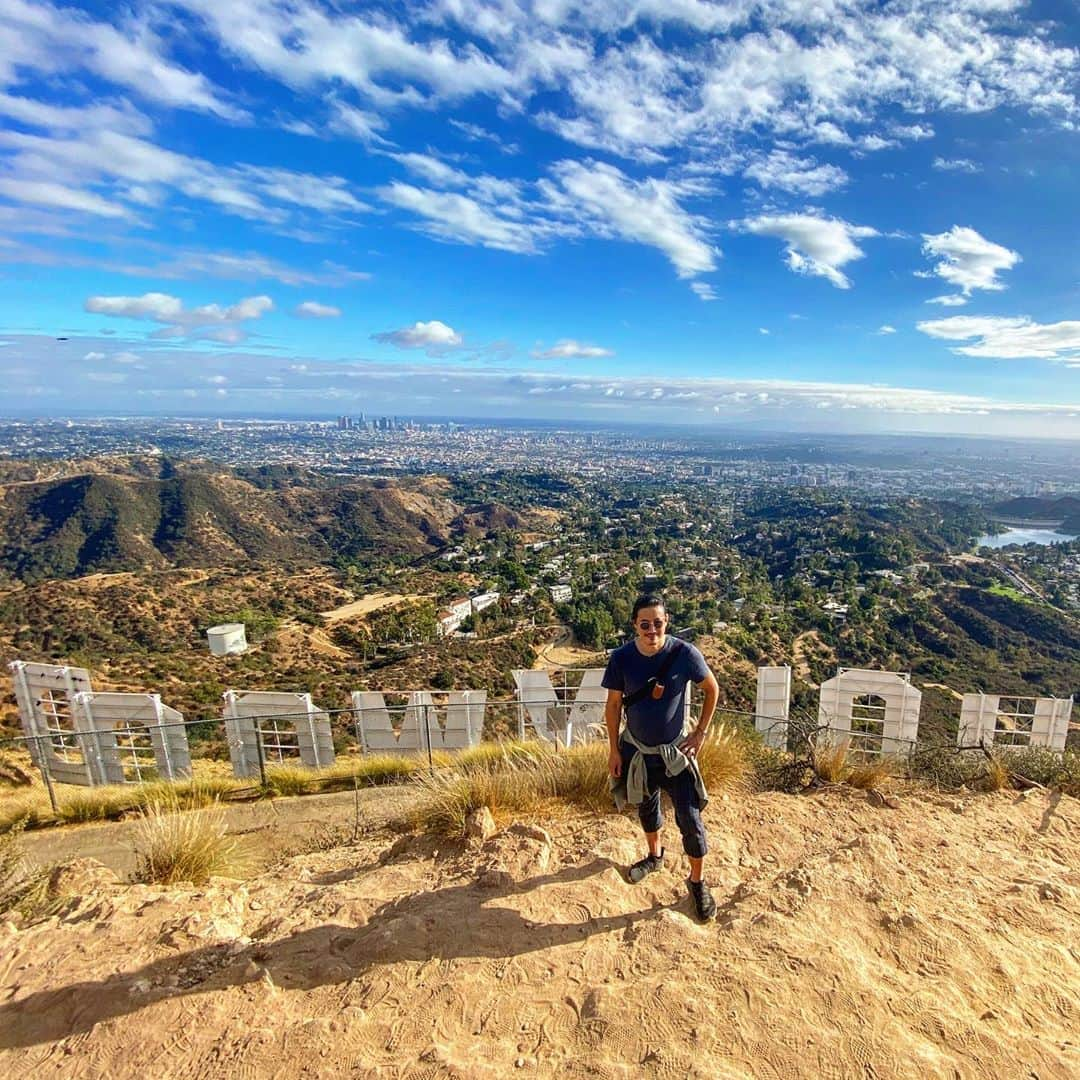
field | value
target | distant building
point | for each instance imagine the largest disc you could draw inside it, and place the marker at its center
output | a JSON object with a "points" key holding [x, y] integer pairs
{"points": [[560, 594], [484, 600], [461, 607]]}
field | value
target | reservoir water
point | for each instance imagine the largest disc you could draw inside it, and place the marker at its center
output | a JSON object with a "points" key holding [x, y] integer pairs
{"points": [[1024, 536]]}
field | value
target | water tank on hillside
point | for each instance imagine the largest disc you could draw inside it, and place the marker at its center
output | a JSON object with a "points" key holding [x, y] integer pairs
{"points": [[227, 638]]}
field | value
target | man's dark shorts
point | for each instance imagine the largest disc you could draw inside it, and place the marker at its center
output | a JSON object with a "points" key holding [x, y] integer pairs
{"points": [[684, 797]]}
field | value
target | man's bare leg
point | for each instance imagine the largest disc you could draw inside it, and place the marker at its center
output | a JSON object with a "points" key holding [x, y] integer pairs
{"points": [[695, 869], [653, 840]]}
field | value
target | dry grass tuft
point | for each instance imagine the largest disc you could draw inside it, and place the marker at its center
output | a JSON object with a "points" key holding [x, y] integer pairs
{"points": [[95, 804], [578, 775], [535, 779], [500, 754], [26, 810], [292, 779], [446, 800], [830, 760], [868, 775], [997, 776], [724, 760], [24, 888], [174, 845]]}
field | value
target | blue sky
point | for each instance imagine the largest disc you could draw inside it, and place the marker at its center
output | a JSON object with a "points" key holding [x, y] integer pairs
{"points": [[833, 216]]}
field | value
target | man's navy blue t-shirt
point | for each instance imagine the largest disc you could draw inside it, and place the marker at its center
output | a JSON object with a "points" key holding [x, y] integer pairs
{"points": [[650, 721]]}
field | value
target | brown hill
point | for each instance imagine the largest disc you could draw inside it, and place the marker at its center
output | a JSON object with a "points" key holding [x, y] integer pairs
{"points": [[936, 939], [197, 515]]}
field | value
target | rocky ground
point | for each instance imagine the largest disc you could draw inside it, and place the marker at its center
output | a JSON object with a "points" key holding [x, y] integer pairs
{"points": [[936, 937]]}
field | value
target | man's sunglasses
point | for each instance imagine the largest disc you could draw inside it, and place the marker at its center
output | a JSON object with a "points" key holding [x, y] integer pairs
{"points": [[656, 624]]}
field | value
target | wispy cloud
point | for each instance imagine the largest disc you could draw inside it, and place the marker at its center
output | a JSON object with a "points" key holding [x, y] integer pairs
{"points": [[209, 321], [964, 165], [312, 309], [568, 349], [1008, 338]]}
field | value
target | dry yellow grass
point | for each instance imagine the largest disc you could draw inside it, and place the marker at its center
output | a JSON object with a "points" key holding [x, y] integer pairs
{"points": [[997, 776], [534, 779], [173, 846], [830, 760], [24, 887], [868, 775], [723, 759]]}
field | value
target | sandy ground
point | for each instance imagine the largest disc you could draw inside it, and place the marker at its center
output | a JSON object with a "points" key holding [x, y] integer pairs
{"points": [[367, 604], [936, 939]]}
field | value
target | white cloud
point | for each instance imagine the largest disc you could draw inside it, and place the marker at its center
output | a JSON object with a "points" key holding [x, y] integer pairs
{"points": [[120, 116], [312, 309], [1008, 338], [157, 306], [914, 132], [816, 246], [357, 123], [886, 329], [568, 349], [56, 41], [703, 290], [432, 169], [460, 218], [59, 196], [112, 174], [211, 321], [801, 176], [476, 133], [435, 337], [305, 46], [764, 330], [967, 260], [94, 356], [956, 165], [948, 300], [641, 211]]}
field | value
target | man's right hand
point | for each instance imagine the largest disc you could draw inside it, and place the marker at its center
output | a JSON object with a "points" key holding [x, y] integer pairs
{"points": [[614, 762]]}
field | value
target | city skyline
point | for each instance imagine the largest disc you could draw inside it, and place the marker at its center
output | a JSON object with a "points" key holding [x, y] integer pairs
{"points": [[841, 218]]}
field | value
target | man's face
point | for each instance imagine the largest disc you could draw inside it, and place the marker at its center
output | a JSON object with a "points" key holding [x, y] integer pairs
{"points": [[650, 624]]}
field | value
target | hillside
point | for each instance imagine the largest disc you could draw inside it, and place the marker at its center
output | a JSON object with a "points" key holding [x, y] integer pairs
{"points": [[190, 515], [934, 939], [1065, 509]]}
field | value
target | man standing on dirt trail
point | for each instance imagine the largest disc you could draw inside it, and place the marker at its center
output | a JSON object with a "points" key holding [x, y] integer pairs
{"points": [[650, 677]]}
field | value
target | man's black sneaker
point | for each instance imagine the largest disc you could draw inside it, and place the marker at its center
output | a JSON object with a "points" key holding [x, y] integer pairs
{"points": [[704, 904], [644, 867]]}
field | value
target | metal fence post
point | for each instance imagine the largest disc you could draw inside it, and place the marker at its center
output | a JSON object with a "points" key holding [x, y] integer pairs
{"points": [[427, 738], [43, 765], [259, 751]]}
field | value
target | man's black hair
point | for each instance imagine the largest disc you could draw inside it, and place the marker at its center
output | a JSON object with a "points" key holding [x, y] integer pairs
{"points": [[648, 600]]}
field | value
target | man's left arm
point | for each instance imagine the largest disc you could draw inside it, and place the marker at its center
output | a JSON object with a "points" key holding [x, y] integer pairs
{"points": [[711, 690]]}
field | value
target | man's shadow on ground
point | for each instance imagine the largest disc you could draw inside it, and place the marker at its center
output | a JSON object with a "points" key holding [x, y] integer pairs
{"points": [[424, 926]]}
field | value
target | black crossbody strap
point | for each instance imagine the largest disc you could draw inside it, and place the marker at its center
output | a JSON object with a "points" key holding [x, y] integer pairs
{"points": [[645, 691]]}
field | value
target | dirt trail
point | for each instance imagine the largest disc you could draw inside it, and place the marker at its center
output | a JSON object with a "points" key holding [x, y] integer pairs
{"points": [[564, 652], [273, 824], [936, 939], [955, 694]]}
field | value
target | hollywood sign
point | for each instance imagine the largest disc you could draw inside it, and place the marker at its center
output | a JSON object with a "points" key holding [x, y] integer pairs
{"points": [[81, 736]]}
